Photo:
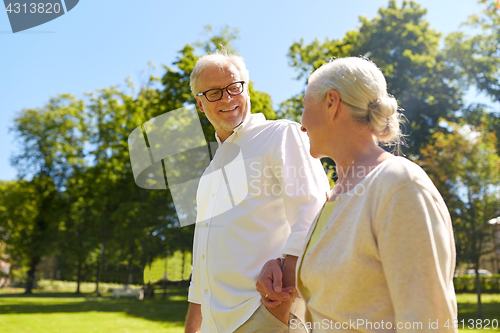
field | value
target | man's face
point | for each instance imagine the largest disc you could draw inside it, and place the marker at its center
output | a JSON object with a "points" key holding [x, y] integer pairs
{"points": [[230, 111]]}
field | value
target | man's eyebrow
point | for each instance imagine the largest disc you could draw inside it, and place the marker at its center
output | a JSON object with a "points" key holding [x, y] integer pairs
{"points": [[222, 86]]}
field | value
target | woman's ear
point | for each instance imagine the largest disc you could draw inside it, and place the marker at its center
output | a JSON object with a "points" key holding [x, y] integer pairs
{"points": [[333, 102]]}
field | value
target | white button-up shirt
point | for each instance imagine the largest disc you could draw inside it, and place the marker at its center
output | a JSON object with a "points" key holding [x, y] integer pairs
{"points": [[256, 202]]}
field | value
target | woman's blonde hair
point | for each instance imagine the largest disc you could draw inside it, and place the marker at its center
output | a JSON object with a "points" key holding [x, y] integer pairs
{"points": [[362, 86]]}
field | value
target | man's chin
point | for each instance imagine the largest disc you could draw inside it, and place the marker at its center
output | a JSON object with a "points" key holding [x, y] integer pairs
{"points": [[233, 122]]}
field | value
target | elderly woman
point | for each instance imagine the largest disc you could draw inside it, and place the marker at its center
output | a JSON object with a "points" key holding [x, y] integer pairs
{"points": [[381, 254]]}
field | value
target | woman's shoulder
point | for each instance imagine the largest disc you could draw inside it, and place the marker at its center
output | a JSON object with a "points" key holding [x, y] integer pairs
{"points": [[399, 172]]}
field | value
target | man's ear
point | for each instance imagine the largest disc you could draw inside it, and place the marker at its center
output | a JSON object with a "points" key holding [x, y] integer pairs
{"points": [[333, 102], [200, 105]]}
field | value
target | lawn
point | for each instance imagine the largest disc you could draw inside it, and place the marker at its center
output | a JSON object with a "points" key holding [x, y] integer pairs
{"points": [[65, 313], [467, 310]]}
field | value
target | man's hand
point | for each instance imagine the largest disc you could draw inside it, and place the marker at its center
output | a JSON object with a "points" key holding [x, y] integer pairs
{"points": [[276, 285], [270, 285]]}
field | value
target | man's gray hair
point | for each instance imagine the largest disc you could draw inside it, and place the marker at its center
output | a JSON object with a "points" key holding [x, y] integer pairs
{"points": [[219, 59]]}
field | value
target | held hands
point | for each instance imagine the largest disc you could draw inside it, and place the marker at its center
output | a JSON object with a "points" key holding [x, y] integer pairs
{"points": [[270, 285]]}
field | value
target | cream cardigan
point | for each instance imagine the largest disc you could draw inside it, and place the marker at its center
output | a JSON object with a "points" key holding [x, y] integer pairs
{"points": [[385, 259]]}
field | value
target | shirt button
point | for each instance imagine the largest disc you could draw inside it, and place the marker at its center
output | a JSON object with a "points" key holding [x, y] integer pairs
{"points": [[206, 291], [203, 257], [206, 225], [213, 195]]}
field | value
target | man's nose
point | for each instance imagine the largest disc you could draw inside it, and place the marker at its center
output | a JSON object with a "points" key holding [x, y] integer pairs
{"points": [[225, 93]]}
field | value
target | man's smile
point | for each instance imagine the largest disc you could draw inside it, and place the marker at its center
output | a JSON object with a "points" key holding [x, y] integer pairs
{"points": [[230, 109]]}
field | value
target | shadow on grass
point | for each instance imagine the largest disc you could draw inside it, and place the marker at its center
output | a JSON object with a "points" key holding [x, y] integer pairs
{"points": [[171, 309], [469, 311]]}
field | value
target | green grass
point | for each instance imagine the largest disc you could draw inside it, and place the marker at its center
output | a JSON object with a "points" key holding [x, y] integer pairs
{"points": [[467, 310], [65, 313], [54, 312]]}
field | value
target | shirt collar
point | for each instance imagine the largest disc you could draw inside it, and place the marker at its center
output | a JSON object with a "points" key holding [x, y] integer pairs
{"points": [[251, 119]]}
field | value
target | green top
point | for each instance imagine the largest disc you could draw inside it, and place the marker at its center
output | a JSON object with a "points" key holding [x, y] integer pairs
{"points": [[323, 218]]}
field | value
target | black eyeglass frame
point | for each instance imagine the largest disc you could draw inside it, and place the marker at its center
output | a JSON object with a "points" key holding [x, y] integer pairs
{"points": [[222, 91]]}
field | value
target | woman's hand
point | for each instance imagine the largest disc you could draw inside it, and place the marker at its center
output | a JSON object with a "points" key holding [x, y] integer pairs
{"points": [[270, 285]]}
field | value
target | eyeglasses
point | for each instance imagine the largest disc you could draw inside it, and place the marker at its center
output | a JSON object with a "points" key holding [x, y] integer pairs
{"points": [[213, 95]]}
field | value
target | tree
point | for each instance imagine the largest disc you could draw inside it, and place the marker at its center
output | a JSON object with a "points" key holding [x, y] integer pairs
{"points": [[114, 114], [18, 210], [77, 236], [52, 143], [464, 165], [477, 56], [406, 49]]}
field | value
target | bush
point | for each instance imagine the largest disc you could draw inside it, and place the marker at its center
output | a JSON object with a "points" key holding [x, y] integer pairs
{"points": [[467, 283], [70, 286]]}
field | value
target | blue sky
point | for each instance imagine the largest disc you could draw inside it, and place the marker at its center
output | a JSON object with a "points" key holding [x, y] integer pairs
{"points": [[100, 43]]}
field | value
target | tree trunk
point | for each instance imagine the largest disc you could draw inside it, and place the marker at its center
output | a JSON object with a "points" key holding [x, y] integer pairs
{"points": [[97, 277], [183, 264], [496, 247], [165, 277], [78, 276], [129, 273], [30, 281], [478, 291], [100, 266], [149, 289]]}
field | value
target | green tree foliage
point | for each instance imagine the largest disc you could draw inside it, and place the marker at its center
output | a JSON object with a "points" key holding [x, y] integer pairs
{"points": [[130, 218], [18, 211], [402, 44], [77, 228], [477, 56], [51, 140], [464, 165]]}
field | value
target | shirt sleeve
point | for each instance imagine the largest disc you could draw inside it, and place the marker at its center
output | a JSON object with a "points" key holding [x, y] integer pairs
{"points": [[304, 185], [416, 248], [193, 296]]}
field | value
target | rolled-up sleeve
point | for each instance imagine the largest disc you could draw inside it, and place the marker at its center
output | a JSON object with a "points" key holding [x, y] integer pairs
{"points": [[304, 185], [193, 296]]}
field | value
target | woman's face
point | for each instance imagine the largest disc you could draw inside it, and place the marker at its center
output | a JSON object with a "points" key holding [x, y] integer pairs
{"points": [[315, 122]]}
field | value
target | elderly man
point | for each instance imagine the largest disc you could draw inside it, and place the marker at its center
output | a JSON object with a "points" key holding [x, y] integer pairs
{"points": [[256, 201]]}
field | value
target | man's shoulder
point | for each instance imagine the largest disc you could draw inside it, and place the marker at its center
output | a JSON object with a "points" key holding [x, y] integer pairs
{"points": [[284, 122], [278, 125], [272, 135]]}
